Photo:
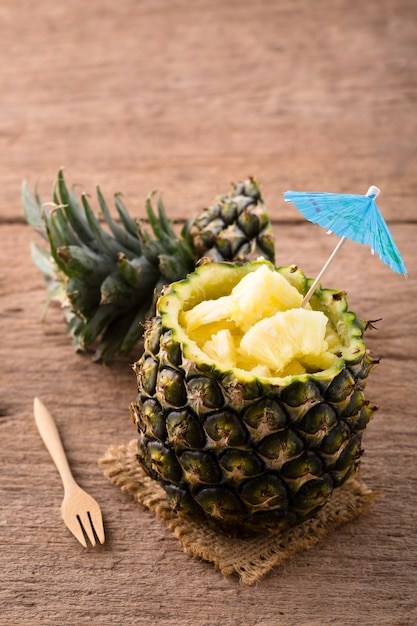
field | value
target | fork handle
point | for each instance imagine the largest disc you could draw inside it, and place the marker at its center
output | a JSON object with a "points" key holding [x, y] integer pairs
{"points": [[50, 435]]}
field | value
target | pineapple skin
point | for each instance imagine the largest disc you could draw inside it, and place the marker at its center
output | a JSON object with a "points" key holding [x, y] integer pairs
{"points": [[244, 454]]}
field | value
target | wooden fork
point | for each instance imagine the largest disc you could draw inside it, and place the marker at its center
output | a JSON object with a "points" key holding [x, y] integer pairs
{"points": [[80, 512]]}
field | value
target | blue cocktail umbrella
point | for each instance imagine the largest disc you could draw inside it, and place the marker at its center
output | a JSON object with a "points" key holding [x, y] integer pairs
{"points": [[349, 216]]}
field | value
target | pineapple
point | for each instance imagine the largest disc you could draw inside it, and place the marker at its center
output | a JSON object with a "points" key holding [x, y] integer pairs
{"points": [[251, 421], [106, 278]]}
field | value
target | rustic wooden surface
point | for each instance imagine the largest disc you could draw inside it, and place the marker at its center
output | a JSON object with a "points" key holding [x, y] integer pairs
{"points": [[186, 97]]}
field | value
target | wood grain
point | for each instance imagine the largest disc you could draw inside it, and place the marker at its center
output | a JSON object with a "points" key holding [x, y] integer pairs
{"points": [[186, 97]]}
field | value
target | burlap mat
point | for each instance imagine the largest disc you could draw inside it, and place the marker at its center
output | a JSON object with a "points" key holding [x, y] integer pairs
{"points": [[251, 558]]}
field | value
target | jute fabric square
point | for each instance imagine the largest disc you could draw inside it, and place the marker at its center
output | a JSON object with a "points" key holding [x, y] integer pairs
{"points": [[249, 559]]}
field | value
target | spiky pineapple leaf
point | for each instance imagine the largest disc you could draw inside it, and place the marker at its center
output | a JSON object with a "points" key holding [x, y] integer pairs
{"points": [[104, 241], [33, 212], [73, 210], [43, 261], [165, 223], [128, 222], [125, 238]]}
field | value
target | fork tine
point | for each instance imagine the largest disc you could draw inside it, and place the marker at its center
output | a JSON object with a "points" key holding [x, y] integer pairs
{"points": [[85, 522], [73, 524], [97, 522]]}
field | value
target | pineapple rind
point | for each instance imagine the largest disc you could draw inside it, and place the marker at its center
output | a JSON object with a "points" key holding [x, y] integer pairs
{"points": [[247, 452]]}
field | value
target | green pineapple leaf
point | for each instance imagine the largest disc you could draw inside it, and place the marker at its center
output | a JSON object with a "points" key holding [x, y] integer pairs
{"points": [[33, 212]]}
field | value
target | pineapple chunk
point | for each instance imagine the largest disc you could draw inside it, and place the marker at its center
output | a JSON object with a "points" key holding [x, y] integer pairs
{"points": [[332, 338], [203, 333], [208, 312], [294, 368], [316, 362], [221, 347], [261, 371], [288, 335], [258, 295]]}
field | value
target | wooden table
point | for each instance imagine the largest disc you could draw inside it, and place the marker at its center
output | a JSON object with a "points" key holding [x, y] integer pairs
{"points": [[186, 97]]}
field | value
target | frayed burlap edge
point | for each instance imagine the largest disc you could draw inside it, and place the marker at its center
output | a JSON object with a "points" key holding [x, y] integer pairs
{"points": [[250, 559]]}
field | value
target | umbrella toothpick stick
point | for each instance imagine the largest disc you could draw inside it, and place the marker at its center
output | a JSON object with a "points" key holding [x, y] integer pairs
{"points": [[320, 274], [372, 192]]}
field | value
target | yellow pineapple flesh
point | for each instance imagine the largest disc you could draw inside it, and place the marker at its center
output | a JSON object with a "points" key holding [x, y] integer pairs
{"points": [[260, 328]]}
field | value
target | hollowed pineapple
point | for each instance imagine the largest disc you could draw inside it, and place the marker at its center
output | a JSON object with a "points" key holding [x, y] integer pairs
{"points": [[251, 409]]}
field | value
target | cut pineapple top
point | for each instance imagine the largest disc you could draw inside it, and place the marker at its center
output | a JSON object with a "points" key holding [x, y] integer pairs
{"points": [[248, 319]]}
